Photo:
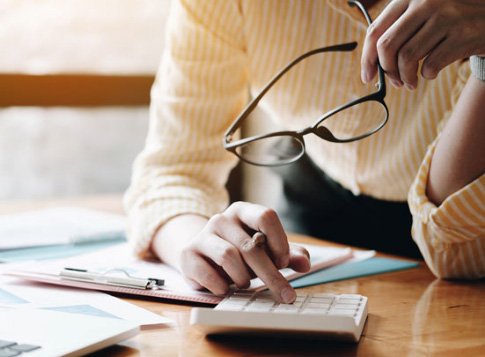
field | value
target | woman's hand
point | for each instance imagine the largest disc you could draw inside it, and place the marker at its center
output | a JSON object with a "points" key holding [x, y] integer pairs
{"points": [[223, 253], [408, 31]]}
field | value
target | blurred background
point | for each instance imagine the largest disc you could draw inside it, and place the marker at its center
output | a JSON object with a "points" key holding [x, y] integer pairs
{"points": [[74, 85], [75, 77]]}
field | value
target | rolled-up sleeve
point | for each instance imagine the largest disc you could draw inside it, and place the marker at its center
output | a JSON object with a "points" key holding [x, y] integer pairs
{"points": [[451, 237], [200, 87]]}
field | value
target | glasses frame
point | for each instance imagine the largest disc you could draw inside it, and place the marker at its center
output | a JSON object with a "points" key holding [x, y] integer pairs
{"points": [[321, 131]]}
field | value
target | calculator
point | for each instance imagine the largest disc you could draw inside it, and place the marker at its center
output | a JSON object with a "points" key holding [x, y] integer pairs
{"points": [[319, 315]]}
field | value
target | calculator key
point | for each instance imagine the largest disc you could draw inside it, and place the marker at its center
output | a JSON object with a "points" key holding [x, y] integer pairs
{"points": [[310, 311], [348, 301], [256, 309], [286, 308], [343, 312], [321, 300], [325, 295], [350, 296], [318, 305], [238, 298], [261, 305]]}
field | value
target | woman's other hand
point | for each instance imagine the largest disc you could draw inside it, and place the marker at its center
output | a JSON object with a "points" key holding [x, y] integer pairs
{"points": [[438, 32]]}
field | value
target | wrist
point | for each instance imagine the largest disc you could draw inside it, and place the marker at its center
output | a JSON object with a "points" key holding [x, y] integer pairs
{"points": [[171, 238]]}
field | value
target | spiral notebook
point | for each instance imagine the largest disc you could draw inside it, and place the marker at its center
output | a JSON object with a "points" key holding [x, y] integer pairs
{"points": [[175, 288]]}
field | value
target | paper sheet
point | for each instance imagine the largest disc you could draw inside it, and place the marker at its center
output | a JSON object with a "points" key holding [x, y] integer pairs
{"points": [[15, 293], [58, 226]]}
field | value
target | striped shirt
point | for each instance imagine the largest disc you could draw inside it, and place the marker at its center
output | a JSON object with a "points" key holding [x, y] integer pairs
{"points": [[221, 51]]}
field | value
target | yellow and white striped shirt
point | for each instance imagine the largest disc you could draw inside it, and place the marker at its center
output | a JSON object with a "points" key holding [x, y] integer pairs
{"points": [[219, 49]]}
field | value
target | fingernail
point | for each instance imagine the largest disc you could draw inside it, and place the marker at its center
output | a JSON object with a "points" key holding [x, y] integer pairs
{"points": [[288, 295], [409, 87], [364, 76], [396, 84]]}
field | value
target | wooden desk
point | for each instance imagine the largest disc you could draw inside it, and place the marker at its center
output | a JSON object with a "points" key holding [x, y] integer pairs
{"points": [[410, 313]]}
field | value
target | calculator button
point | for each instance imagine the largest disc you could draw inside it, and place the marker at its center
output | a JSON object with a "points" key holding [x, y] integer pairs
{"points": [[262, 305], [310, 311], [252, 308], [321, 299], [343, 312], [318, 305]]}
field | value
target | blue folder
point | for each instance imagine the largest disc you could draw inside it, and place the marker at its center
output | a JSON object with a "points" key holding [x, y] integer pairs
{"points": [[376, 265]]}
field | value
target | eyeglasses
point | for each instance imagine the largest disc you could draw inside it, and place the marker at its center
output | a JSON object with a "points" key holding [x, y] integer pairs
{"points": [[362, 117]]}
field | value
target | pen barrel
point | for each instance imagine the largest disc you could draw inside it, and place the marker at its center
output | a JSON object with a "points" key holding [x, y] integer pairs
{"points": [[137, 283], [104, 279]]}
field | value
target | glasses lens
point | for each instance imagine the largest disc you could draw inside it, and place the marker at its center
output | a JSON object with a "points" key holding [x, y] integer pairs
{"points": [[272, 151], [355, 121]]}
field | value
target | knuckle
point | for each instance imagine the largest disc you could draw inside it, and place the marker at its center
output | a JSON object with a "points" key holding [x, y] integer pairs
{"points": [[432, 68], [216, 220], [406, 55], [228, 256], [269, 216], [236, 206], [206, 278], [384, 45]]}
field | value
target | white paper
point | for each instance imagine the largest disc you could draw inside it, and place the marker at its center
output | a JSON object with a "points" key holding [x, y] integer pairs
{"points": [[15, 293], [57, 226]]}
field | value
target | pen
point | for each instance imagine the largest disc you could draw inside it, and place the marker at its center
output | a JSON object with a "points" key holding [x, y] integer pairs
{"points": [[104, 278]]}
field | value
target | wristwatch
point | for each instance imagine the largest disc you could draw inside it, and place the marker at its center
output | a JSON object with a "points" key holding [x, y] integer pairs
{"points": [[477, 65]]}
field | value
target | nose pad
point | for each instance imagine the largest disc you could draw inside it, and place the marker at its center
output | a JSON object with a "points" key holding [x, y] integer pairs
{"points": [[324, 133]]}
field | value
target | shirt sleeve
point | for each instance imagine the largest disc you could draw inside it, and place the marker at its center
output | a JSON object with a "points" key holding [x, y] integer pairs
{"points": [[200, 87], [451, 236]]}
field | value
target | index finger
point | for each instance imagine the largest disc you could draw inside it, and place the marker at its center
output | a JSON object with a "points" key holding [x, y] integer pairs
{"points": [[264, 268], [256, 257], [265, 220]]}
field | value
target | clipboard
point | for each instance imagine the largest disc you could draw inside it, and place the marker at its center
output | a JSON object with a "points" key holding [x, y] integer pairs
{"points": [[174, 287]]}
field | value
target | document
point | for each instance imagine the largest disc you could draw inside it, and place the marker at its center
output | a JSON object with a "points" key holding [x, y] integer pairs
{"points": [[68, 225], [16, 293]]}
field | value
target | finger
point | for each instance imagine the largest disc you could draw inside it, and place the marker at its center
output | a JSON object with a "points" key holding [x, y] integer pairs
{"points": [[299, 259], [441, 56], [369, 52], [265, 220], [422, 43], [259, 262], [394, 37], [227, 257], [264, 268], [200, 271]]}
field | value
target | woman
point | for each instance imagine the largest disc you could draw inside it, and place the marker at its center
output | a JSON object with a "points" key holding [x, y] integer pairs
{"points": [[371, 190]]}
